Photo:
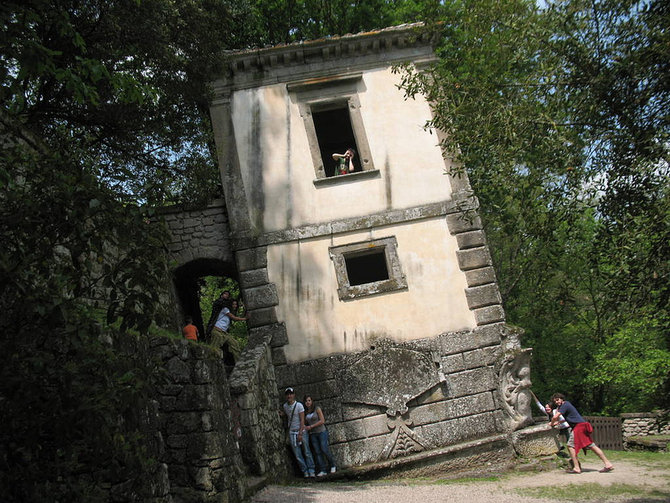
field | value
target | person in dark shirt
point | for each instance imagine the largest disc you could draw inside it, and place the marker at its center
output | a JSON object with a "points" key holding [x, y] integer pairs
{"points": [[580, 433]]}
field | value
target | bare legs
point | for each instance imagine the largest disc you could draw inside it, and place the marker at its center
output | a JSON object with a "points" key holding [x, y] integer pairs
{"points": [[575, 462], [600, 454], [597, 450]]}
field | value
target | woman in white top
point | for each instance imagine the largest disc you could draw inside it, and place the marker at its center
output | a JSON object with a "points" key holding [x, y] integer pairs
{"points": [[315, 424]]}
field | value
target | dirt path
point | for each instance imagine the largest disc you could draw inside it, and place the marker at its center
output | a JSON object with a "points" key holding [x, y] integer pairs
{"points": [[650, 485]]}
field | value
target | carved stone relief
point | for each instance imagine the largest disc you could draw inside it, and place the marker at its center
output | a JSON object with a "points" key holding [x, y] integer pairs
{"points": [[390, 377], [514, 375], [403, 441]]}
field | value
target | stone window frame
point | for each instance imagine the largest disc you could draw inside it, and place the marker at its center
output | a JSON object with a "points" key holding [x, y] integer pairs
{"points": [[321, 95], [396, 281]]}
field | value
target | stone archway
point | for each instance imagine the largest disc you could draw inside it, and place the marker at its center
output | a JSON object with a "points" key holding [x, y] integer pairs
{"points": [[186, 284]]}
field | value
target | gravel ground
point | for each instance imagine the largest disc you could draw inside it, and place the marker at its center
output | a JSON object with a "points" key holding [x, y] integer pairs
{"points": [[508, 489]]}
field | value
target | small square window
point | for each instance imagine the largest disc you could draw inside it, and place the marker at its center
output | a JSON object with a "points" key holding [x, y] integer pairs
{"points": [[367, 268]]}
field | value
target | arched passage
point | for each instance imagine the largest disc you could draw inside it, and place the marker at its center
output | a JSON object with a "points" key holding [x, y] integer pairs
{"points": [[186, 282]]}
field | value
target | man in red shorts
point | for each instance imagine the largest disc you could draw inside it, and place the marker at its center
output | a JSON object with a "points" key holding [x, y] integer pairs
{"points": [[580, 433]]}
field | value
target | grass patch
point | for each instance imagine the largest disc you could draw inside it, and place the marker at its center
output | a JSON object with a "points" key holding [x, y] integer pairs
{"points": [[592, 492], [645, 458]]}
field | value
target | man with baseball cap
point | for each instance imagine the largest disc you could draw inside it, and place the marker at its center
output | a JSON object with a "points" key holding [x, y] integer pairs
{"points": [[295, 413]]}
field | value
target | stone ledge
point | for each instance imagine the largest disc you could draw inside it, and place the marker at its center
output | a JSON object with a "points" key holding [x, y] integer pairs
{"points": [[649, 442], [496, 447], [247, 241], [535, 441]]}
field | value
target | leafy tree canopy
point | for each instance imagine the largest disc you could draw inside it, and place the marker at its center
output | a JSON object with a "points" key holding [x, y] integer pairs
{"points": [[558, 113]]}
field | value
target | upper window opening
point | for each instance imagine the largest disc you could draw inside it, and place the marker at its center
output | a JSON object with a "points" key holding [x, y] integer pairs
{"points": [[331, 112], [335, 136], [367, 268]]}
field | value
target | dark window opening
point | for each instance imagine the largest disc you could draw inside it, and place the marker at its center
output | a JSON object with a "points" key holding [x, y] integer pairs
{"points": [[367, 268], [335, 135]]}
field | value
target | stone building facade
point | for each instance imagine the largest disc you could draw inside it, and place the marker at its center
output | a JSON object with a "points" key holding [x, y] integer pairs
{"points": [[373, 291]]}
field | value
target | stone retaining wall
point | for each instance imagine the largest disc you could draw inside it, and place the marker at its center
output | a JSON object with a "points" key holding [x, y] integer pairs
{"points": [[462, 405], [187, 426], [643, 424], [195, 421], [253, 388]]}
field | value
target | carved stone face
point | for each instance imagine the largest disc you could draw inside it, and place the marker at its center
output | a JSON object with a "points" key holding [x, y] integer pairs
{"points": [[524, 377]]}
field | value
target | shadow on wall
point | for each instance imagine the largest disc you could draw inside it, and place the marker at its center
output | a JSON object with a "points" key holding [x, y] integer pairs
{"points": [[187, 285]]}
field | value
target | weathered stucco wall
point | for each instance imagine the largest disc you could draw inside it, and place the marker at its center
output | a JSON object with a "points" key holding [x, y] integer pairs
{"points": [[278, 178], [318, 323]]}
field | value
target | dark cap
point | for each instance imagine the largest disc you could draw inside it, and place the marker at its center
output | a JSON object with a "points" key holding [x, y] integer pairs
{"points": [[288, 391]]}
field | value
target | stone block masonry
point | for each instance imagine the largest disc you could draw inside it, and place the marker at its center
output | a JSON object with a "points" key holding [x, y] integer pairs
{"points": [[254, 394], [197, 423], [460, 407], [190, 426], [198, 234]]}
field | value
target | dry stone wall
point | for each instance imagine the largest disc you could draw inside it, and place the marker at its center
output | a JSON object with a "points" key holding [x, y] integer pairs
{"points": [[201, 449], [188, 426], [253, 389], [642, 424], [198, 234]]}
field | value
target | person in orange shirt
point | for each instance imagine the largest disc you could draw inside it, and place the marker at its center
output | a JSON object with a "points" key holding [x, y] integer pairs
{"points": [[190, 331]]}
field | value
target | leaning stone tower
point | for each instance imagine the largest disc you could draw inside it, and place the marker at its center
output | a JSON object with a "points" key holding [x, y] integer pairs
{"points": [[368, 280]]}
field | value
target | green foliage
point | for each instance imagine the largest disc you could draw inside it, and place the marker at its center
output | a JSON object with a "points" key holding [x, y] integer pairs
{"points": [[283, 21], [210, 290], [104, 105], [558, 114], [634, 366], [122, 83], [71, 406]]}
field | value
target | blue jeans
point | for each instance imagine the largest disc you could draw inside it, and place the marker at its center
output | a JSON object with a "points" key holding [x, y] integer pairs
{"points": [[320, 443], [307, 463]]}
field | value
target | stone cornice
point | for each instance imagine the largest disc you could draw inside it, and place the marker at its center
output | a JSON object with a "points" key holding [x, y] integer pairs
{"points": [[245, 240], [324, 57]]}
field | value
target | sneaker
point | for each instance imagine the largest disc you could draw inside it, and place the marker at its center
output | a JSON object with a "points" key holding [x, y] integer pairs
{"points": [[333, 469], [306, 475], [321, 474], [311, 475]]}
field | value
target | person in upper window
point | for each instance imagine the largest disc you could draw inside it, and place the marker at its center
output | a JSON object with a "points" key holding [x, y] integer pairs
{"points": [[345, 162]]}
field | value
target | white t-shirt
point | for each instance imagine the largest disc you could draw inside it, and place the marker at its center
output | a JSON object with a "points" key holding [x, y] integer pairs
{"points": [[293, 424], [562, 423], [223, 321]]}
